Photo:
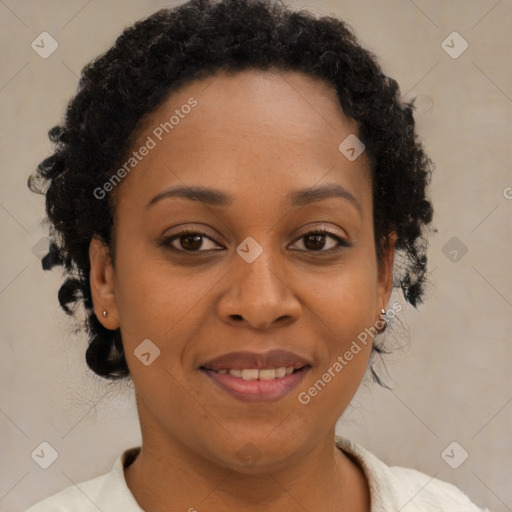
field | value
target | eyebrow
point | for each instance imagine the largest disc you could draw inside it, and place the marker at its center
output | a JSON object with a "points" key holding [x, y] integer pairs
{"points": [[214, 197]]}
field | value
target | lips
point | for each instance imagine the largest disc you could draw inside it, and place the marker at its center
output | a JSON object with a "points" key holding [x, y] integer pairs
{"points": [[258, 361], [250, 376], [259, 374]]}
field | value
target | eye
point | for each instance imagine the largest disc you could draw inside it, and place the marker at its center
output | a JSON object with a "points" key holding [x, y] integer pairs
{"points": [[194, 241], [315, 241], [190, 241]]}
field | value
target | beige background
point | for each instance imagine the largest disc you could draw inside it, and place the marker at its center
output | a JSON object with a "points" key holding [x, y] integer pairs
{"points": [[452, 380]]}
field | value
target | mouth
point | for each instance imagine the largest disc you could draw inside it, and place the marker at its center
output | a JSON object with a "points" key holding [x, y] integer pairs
{"points": [[252, 377], [256, 374]]}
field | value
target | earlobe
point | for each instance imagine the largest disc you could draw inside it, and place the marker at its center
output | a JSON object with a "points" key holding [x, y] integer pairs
{"points": [[102, 282]]}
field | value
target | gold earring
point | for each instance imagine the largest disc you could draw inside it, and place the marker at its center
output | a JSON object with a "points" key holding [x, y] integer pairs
{"points": [[104, 314]]}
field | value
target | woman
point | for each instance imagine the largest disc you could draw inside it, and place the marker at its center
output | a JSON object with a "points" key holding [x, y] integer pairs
{"points": [[228, 193]]}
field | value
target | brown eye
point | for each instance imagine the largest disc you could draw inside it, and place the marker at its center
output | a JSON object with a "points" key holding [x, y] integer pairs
{"points": [[315, 241], [190, 241], [195, 241]]}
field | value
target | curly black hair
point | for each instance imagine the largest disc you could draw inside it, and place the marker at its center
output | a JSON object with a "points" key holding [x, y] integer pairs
{"points": [[160, 54]]}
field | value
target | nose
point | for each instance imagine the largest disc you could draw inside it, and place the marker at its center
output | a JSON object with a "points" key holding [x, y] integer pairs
{"points": [[259, 295]]}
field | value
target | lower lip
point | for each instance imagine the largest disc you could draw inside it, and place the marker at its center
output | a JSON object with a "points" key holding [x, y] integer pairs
{"points": [[257, 390]]}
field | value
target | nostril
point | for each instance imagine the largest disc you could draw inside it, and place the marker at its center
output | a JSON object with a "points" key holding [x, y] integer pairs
{"points": [[237, 317]]}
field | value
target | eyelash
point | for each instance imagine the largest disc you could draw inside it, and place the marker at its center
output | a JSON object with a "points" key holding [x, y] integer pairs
{"points": [[186, 232]]}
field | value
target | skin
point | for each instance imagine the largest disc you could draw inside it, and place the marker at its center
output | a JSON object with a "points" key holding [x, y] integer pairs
{"points": [[256, 136]]}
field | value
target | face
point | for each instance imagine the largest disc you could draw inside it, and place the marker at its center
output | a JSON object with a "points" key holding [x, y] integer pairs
{"points": [[234, 300]]}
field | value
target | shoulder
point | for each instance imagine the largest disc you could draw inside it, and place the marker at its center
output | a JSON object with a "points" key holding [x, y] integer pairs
{"points": [[408, 490], [421, 492], [75, 497], [108, 493]]}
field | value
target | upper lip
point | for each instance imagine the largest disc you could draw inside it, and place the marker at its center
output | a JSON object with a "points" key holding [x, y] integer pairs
{"points": [[254, 360]]}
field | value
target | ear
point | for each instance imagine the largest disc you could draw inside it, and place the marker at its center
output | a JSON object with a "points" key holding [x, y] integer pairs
{"points": [[102, 282], [385, 280]]}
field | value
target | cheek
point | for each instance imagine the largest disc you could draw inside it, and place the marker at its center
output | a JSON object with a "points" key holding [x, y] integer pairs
{"points": [[342, 309], [155, 297], [342, 305], [157, 303], [344, 297]]}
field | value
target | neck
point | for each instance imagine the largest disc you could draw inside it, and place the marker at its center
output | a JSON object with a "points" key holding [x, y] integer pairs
{"points": [[168, 475]]}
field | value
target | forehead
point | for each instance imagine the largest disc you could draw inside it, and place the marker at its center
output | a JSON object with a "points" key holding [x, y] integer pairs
{"points": [[273, 128], [278, 100]]}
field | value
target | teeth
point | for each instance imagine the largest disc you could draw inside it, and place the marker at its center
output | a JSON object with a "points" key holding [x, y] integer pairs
{"points": [[250, 374], [255, 374], [280, 372], [267, 374]]}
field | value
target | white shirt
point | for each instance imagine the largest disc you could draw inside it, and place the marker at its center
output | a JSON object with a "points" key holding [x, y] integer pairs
{"points": [[392, 489]]}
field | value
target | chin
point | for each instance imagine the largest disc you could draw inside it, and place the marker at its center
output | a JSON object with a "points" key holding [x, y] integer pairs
{"points": [[258, 454]]}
